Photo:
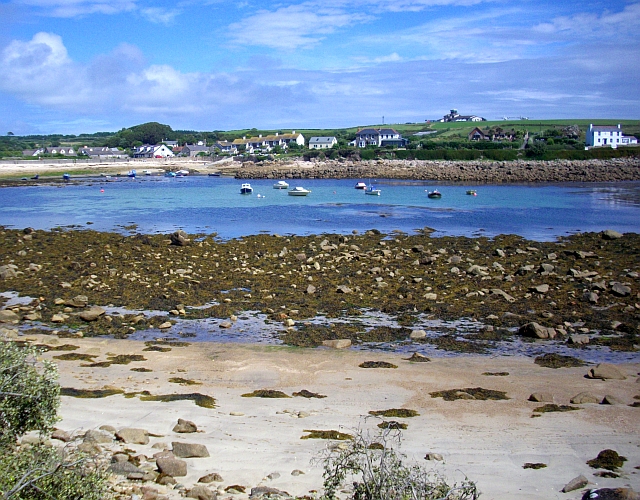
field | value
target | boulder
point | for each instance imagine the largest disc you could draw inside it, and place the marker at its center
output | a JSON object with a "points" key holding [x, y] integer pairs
{"points": [[535, 330], [201, 493], [134, 436], [97, 436], [418, 334], [575, 484], [185, 427], [611, 400], [620, 290], [311, 289], [606, 371], [8, 316], [503, 294], [579, 339], [267, 492], [583, 398], [8, 271], [343, 289], [189, 450], [544, 288], [77, 301], [213, 477], [172, 466], [92, 314], [179, 238], [541, 397], [337, 344], [225, 324], [434, 456], [610, 234], [61, 435], [611, 494], [124, 468]]}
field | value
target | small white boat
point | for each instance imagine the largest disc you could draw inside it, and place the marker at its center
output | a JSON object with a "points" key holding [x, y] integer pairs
{"points": [[299, 191], [281, 185], [246, 188], [372, 191], [182, 172], [146, 172], [361, 185]]}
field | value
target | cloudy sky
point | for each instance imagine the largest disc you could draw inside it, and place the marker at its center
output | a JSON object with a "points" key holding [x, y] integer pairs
{"points": [[72, 66]]}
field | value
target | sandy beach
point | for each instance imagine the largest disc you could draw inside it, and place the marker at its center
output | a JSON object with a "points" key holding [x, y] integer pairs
{"points": [[249, 439]]}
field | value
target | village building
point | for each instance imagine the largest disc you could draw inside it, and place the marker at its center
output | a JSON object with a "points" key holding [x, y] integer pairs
{"points": [[454, 116], [379, 137], [152, 151], [607, 136], [268, 142], [322, 142]]}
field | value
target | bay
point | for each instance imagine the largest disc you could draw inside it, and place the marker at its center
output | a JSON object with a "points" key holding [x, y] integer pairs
{"points": [[201, 204]]}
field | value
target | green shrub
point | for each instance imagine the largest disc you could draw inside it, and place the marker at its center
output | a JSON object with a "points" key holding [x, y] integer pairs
{"points": [[29, 399], [378, 471]]}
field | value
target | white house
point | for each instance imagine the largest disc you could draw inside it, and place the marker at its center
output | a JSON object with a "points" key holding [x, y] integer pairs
{"points": [[102, 152], [454, 116], [150, 151], [225, 147], [608, 135], [268, 142], [322, 142], [379, 137]]}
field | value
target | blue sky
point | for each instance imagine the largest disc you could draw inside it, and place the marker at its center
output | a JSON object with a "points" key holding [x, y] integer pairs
{"points": [[72, 66]]}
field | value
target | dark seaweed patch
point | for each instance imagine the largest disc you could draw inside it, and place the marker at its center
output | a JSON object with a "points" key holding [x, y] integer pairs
{"points": [[377, 364], [265, 393], [184, 381], [496, 374], [89, 393], [336, 435], [607, 459], [551, 360], [392, 424], [552, 407], [536, 465], [395, 412], [199, 399], [74, 356], [308, 394], [470, 393]]}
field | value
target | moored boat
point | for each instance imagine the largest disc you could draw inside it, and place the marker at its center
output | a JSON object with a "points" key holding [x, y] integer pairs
{"points": [[169, 174], [435, 194], [361, 185], [131, 173], [472, 192], [299, 191], [372, 191], [281, 185], [246, 188]]}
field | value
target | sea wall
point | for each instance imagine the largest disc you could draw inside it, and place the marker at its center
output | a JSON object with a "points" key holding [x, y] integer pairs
{"points": [[618, 169]]}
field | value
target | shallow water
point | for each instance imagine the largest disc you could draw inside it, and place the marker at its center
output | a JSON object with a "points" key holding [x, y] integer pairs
{"points": [[201, 204]]}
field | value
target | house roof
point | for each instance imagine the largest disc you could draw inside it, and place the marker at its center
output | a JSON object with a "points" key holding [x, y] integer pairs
{"points": [[321, 140], [368, 131], [266, 138], [605, 128], [387, 131]]}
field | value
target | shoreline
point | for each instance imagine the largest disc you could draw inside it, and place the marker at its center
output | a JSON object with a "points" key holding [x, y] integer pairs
{"points": [[488, 172], [257, 442]]}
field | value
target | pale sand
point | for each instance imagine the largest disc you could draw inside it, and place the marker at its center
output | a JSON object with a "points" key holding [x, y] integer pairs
{"points": [[489, 441]]}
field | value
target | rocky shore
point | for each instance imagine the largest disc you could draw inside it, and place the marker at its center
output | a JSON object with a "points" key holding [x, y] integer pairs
{"points": [[490, 172]]}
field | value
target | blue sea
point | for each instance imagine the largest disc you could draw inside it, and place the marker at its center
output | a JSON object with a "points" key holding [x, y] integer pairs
{"points": [[201, 204]]}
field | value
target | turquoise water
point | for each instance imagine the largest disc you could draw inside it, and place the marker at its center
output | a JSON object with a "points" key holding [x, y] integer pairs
{"points": [[201, 204]]}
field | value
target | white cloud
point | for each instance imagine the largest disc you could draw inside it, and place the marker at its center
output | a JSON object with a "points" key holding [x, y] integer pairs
{"points": [[292, 27], [75, 8], [160, 15]]}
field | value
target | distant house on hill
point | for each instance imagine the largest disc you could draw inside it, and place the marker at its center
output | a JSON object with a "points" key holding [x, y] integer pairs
{"points": [[322, 142], [152, 151], [608, 136], [225, 147], [478, 135], [379, 137], [102, 152], [454, 116], [194, 150], [60, 150], [268, 142]]}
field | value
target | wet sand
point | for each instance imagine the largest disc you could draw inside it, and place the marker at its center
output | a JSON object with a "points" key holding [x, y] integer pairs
{"points": [[250, 438]]}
